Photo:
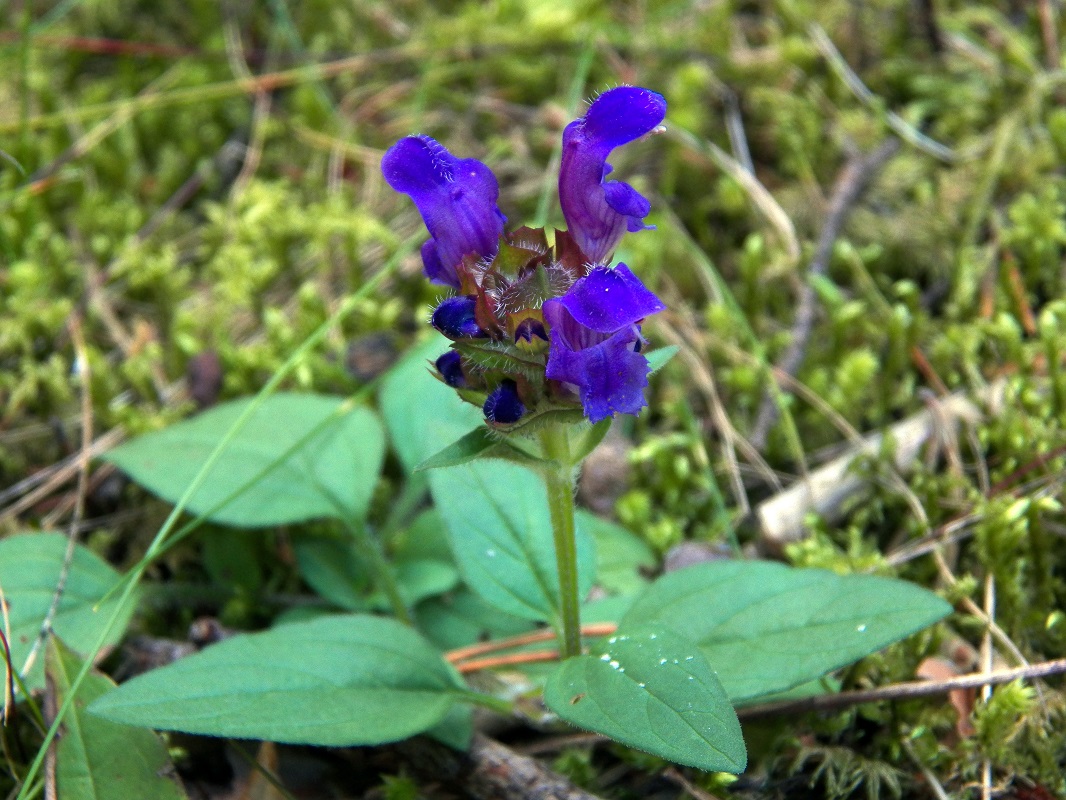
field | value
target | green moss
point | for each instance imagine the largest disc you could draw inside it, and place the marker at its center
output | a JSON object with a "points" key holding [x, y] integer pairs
{"points": [[921, 292]]}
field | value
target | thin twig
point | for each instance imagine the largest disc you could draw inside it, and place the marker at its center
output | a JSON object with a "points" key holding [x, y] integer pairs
{"points": [[672, 774], [1049, 31], [85, 377], [238, 60], [759, 195], [510, 660], [857, 440], [975, 610], [487, 771], [934, 784], [61, 473], [902, 691], [850, 184], [899, 126], [986, 668], [734, 126], [43, 177], [51, 519], [705, 382], [480, 649]]}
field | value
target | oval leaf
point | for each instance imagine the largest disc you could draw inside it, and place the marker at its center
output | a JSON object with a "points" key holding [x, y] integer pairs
{"points": [[653, 691], [299, 457], [30, 564], [500, 531], [463, 618], [767, 627], [620, 555], [97, 759], [337, 680]]}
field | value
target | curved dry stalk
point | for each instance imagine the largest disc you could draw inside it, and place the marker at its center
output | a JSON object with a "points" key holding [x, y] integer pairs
{"points": [[903, 691], [851, 183], [85, 377]]}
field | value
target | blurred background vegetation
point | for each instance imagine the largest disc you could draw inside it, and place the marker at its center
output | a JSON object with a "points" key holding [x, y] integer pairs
{"points": [[189, 189]]}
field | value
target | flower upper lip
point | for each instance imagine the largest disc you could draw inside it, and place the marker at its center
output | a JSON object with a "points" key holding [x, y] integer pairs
{"points": [[598, 212], [456, 198]]}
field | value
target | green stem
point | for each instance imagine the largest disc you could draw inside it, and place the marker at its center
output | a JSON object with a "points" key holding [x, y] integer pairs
{"points": [[496, 704], [560, 480], [384, 578]]}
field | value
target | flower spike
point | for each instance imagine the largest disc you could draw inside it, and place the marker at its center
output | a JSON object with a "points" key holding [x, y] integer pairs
{"points": [[598, 212], [539, 330], [456, 198]]}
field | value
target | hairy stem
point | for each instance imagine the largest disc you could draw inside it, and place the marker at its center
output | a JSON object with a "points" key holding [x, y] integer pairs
{"points": [[560, 481], [384, 579]]}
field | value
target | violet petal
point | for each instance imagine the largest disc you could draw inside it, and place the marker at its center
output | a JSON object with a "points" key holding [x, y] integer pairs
{"points": [[503, 406], [455, 317], [598, 212], [456, 198], [610, 298], [606, 369], [450, 367]]}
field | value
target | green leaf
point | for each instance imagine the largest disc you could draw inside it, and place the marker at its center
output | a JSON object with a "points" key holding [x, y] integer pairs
{"points": [[500, 531], [767, 627], [299, 457], [456, 729], [479, 443], [419, 580], [332, 569], [425, 538], [422, 414], [337, 681], [619, 555], [30, 564], [654, 691], [462, 618], [590, 439], [101, 760], [658, 358]]}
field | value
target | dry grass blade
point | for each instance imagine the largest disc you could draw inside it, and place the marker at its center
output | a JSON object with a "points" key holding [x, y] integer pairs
{"points": [[760, 196], [85, 378], [849, 186]]}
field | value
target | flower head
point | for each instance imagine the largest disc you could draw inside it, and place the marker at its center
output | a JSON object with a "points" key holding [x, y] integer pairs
{"points": [[595, 338], [538, 329], [597, 211], [456, 198]]}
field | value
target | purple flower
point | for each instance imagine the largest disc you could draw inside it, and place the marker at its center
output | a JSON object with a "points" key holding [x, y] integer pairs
{"points": [[598, 212], [450, 367], [456, 198], [595, 338], [503, 406], [455, 317]]}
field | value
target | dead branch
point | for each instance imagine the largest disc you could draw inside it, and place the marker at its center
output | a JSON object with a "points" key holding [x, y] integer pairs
{"points": [[902, 691], [781, 517], [850, 184], [488, 771]]}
